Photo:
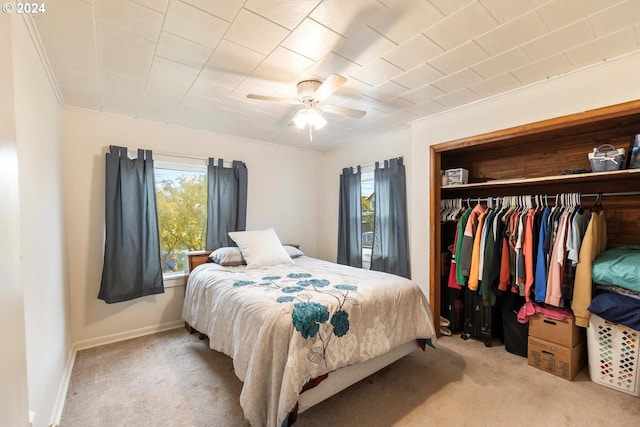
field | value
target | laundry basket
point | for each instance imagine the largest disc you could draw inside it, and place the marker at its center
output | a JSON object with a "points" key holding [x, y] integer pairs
{"points": [[614, 355]]}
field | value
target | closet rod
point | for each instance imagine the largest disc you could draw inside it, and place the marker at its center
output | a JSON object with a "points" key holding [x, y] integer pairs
{"points": [[622, 193]]}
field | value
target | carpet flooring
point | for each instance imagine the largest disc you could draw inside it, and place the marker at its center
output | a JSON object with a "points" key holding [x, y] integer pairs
{"points": [[173, 379]]}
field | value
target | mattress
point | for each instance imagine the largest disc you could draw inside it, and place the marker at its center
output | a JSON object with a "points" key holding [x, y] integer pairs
{"points": [[287, 324]]}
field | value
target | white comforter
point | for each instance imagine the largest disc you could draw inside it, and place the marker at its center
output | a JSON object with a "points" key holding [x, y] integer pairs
{"points": [[287, 324]]}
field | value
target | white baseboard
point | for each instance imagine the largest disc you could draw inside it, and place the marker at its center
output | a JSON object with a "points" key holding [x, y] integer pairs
{"points": [[121, 336], [94, 342], [62, 390]]}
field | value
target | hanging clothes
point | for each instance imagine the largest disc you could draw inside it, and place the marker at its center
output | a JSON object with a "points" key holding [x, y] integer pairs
{"points": [[593, 244]]}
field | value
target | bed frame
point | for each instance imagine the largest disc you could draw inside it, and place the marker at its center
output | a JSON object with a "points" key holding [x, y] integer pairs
{"points": [[337, 380]]}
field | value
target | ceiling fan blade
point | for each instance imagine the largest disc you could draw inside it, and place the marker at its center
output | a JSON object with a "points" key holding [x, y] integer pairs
{"points": [[330, 85], [343, 111], [273, 99]]}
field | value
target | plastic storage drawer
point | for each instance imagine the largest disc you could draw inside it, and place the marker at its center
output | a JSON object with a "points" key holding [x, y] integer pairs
{"points": [[614, 355]]}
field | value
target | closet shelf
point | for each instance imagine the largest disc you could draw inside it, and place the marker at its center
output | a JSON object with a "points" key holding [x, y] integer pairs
{"points": [[610, 176]]}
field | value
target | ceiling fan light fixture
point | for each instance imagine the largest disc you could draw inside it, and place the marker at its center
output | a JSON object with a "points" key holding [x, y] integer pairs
{"points": [[310, 117]]}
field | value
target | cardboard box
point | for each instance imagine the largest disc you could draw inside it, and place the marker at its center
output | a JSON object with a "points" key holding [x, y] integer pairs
{"points": [[564, 362], [563, 332]]}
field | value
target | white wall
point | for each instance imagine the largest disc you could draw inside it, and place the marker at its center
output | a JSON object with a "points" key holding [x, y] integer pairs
{"points": [[14, 402], [42, 231], [281, 194], [610, 83], [32, 189], [379, 148]]}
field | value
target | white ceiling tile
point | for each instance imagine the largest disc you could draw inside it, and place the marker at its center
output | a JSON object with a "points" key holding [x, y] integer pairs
{"points": [[71, 47], [69, 14], [129, 17], [462, 26], [450, 6], [230, 63], [188, 117], [426, 108], [557, 14], [405, 18], [333, 64], [157, 107], [134, 61], [461, 57], [501, 83], [502, 63], [376, 72], [604, 48], [422, 94], [615, 18], [159, 5], [419, 76], [413, 52], [195, 102], [77, 40], [288, 13], [120, 95], [312, 40], [170, 78], [255, 32], [543, 69], [386, 91], [224, 9], [460, 97], [559, 40], [390, 106], [183, 51], [78, 89], [505, 11], [193, 24], [282, 65], [346, 17], [207, 88], [364, 46], [452, 82], [513, 33]]}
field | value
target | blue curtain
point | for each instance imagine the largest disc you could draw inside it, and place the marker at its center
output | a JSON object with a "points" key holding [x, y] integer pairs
{"points": [[390, 251], [350, 219], [226, 202], [131, 267]]}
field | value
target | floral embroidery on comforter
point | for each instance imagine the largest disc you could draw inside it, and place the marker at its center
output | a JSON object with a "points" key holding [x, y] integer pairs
{"points": [[287, 324], [312, 319]]}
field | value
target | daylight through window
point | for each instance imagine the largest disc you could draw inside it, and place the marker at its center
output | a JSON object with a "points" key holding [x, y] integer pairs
{"points": [[181, 196]]}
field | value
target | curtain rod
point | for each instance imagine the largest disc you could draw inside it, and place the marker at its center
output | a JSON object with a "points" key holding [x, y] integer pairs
{"points": [[184, 156], [373, 165]]}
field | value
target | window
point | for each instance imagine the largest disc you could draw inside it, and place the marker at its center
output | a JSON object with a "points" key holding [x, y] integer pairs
{"points": [[181, 196], [367, 206]]}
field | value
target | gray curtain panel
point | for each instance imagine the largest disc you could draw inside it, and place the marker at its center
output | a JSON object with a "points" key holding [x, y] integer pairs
{"points": [[390, 251], [350, 218], [226, 202], [131, 267]]}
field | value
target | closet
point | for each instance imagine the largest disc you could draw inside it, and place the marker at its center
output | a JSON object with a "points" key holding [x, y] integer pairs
{"points": [[549, 157]]}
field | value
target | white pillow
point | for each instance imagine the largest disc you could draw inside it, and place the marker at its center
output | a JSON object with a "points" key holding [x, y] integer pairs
{"points": [[260, 248], [293, 251], [227, 256]]}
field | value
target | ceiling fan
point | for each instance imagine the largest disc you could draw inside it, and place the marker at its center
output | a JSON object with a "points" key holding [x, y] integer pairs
{"points": [[310, 94]]}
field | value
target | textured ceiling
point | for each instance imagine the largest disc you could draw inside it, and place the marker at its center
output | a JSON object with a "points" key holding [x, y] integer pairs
{"points": [[191, 63]]}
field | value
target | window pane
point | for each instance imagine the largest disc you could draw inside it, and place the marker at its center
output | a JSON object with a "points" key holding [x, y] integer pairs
{"points": [[367, 206], [181, 196]]}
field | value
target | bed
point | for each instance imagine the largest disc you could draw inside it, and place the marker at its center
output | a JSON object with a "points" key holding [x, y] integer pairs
{"points": [[304, 325]]}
